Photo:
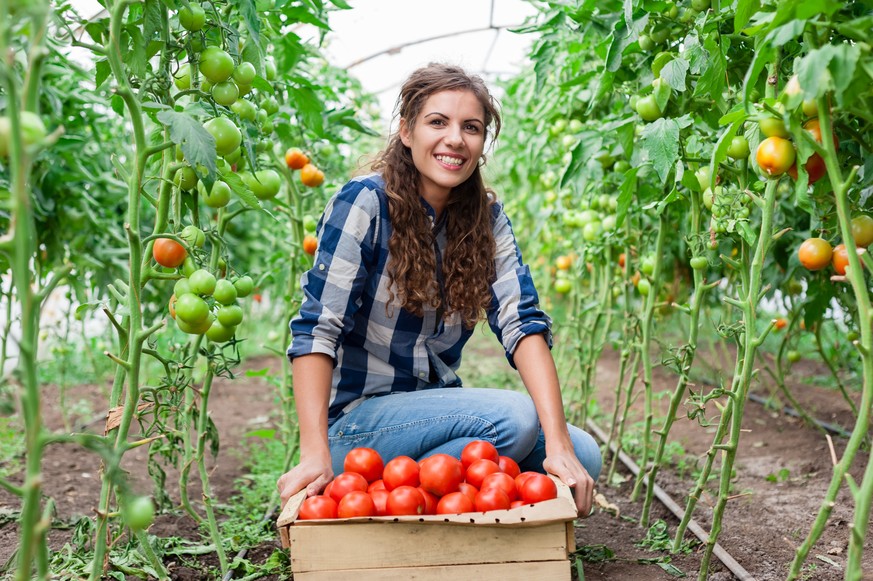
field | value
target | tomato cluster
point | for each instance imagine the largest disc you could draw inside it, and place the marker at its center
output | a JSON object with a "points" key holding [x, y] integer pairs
{"points": [[817, 253], [481, 480]]}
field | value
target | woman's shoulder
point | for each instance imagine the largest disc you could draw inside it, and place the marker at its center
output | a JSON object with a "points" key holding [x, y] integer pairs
{"points": [[365, 191]]}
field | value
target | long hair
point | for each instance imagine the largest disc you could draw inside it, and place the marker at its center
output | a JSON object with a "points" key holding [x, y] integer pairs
{"points": [[468, 261]]}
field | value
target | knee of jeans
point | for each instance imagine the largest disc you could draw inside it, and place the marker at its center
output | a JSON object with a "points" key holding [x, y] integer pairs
{"points": [[587, 451], [522, 427]]}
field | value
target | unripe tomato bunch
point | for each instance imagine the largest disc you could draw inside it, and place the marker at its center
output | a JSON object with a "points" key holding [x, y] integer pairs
{"points": [[481, 480]]}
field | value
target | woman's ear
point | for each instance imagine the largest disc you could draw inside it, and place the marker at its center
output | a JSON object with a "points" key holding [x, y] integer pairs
{"points": [[404, 132]]}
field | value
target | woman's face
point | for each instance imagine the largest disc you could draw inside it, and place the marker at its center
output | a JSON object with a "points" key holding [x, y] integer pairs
{"points": [[447, 140]]}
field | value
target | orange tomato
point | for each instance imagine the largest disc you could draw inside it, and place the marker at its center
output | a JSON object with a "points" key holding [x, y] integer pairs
{"points": [[815, 253], [310, 244], [564, 262], [311, 176], [169, 253], [621, 260], [172, 306], [780, 323], [840, 259], [295, 158], [775, 155]]}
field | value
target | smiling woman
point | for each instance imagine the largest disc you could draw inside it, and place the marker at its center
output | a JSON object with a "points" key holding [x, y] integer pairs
{"points": [[409, 260]]}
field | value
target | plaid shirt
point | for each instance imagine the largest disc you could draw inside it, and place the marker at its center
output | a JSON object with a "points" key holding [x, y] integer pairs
{"points": [[380, 348]]}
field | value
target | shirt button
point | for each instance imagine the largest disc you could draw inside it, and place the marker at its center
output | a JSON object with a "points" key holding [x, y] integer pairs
{"points": [[422, 374], [320, 267]]}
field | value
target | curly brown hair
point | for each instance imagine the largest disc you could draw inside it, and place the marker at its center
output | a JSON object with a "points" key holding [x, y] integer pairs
{"points": [[468, 263]]}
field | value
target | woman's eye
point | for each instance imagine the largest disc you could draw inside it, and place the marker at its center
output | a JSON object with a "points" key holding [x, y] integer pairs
{"points": [[473, 128]]}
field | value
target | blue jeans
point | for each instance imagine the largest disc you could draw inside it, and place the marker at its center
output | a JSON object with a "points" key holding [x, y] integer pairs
{"points": [[444, 420]]}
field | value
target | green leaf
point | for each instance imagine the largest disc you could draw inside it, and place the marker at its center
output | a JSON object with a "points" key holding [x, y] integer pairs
{"points": [[102, 72], [719, 154], [712, 79], [744, 12], [265, 434], [197, 144], [671, 569], [744, 230], [589, 144], [674, 73], [622, 36], [151, 18], [763, 55], [249, 14], [695, 54], [661, 140], [626, 195], [829, 68], [784, 34], [135, 55], [341, 4], [240, 189], [308, 106], [346, 118]]}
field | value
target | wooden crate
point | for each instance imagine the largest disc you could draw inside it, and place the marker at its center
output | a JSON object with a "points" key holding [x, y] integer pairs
{"points": [[530, 542]]}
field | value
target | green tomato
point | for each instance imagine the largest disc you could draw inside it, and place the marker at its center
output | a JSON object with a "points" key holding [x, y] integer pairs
{"points": [[704, 177], [700, 5], [188, 267], [186, 178], [773, 127], [191, 308], [196, 328], [270, 105], [218, 333], [232, 158], [230, 315], [309, 223], [138, 512], [225, 293], [591, 231], [862, 230], [225, 93], [215, 64], [644, 286], [270, 68], [699, 262], [218, 196], [264, 183], [648, 108], [182, 78], [202, 282], [647, 265], [244, 73], [575, 126], [646, 43], [193, 236], [708, 199], [563, 285], [659, 35], [794, 356], [621, 166], [192, 17], [810, 107], [181, 287], [32, 131], [226, 134], [739, 147], [558, 127], [244, 286], [245, 109], [608, 223]]}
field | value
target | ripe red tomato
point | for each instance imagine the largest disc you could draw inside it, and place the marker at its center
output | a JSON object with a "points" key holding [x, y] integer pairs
{"points": [[310, 244], [522, 478], [440, 474], [168, 252], [430, 501], [376, 485], [503, 481], [455, 503], [317, 507], [814, 254], [400, 471], [509, 466], [840, 259], [328, 488], [516, 503], [356, 503], [345, 483], [380, 500], [295, 158], [468, 489], [479, 469], [537, 488], [775, 155], [476, 451], [491, 499], [365, 461], [405, 500]]}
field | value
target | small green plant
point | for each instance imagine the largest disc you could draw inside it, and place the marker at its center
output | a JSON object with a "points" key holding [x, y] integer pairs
{"points": [[780, 476]]}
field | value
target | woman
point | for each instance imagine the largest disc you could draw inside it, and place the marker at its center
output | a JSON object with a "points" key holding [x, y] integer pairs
{"points": [[409, 259]]}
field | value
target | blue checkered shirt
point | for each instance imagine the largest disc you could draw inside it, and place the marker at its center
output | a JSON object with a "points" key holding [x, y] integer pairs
{"points": [[380, 348]]}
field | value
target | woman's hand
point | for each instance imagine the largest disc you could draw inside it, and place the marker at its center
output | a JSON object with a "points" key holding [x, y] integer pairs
{"points": [[570, 471], [313, 475]]}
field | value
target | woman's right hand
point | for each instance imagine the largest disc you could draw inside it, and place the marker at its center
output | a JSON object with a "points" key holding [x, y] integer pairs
{"points": [[311, 474]]}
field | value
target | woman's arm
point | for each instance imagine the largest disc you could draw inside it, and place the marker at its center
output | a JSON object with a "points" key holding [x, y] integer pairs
{"points": [[312, 376], [537, 370]]}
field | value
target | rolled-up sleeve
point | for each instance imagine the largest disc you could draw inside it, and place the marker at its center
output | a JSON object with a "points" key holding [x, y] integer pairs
{"points": [[514, 312], [332, 288]]}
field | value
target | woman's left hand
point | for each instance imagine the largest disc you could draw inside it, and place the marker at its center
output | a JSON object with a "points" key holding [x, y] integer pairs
{"points": [[570, 471]]}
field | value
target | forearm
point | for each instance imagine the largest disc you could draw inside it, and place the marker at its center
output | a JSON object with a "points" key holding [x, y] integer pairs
{"points": [[537, 370], [312, 376]]}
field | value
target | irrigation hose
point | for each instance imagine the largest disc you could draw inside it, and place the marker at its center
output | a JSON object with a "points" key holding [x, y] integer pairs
{"points": [[667, 501]]}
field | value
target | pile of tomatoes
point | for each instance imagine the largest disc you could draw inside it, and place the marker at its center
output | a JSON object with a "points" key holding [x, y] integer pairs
{"points": [[481, 480]]}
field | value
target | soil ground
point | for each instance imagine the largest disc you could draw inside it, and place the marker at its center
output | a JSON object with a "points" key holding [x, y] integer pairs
{"points": [[783, 470]]}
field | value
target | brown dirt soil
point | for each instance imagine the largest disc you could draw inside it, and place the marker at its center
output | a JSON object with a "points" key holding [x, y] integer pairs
{"points": [[763, 524]]}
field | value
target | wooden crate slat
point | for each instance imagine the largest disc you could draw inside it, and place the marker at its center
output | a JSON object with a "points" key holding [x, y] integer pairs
{"points": [[551, 570]]}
